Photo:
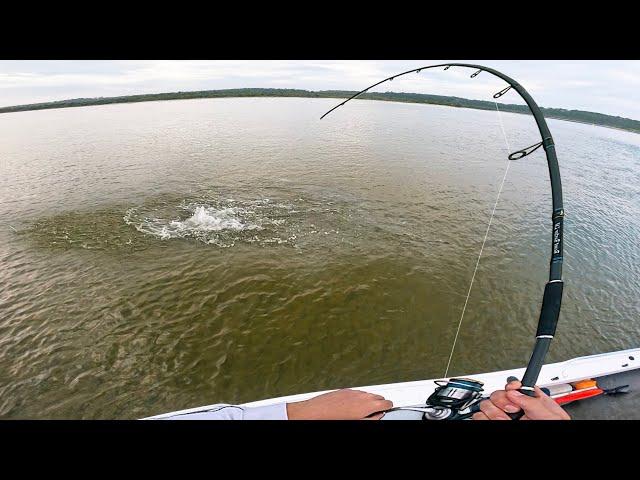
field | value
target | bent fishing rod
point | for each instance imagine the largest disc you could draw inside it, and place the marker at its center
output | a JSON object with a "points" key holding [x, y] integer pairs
{"points": [[552, 296]]}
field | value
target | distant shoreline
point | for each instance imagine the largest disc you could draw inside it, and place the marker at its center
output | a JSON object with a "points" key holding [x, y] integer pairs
{"points": [[578, 116]]}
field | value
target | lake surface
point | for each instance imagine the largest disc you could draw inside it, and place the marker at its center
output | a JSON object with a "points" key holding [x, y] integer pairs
{"points": [[165, 255]]}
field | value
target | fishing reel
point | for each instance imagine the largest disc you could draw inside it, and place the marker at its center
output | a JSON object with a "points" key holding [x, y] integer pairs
{"points": [[452, 400]]}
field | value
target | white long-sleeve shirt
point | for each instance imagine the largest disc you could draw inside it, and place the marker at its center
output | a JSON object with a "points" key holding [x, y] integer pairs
{"points": [[221, 411]]}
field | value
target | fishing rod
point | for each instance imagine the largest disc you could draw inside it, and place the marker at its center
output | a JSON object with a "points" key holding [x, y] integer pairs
{"points": [[552, 296]]}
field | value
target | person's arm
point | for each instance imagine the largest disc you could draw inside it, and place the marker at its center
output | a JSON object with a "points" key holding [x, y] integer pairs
{"points": [[277, 411], [337, 405], [343, 404], [509, 400]]}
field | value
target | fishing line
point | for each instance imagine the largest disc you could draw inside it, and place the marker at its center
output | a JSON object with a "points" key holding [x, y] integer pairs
{"points": [[552, 297], [475, 270]]}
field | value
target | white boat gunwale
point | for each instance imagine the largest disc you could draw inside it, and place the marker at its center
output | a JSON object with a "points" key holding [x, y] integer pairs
{"points": [[416, 392]]}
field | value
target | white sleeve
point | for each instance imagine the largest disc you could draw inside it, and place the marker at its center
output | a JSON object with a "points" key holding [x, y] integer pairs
{"points": [[232, 412]]}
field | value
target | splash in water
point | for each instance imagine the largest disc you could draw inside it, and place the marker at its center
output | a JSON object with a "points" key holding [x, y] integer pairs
{"points": [[207, 219], [216, 222]]}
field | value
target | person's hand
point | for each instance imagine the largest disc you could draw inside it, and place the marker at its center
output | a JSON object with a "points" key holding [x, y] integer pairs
{"points": [[344, 404], [509, 400]]}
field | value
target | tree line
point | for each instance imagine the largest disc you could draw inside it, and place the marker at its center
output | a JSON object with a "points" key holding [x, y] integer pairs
{"points": [[557, 113]]}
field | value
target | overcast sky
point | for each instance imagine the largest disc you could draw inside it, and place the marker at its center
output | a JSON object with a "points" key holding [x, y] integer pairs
{"points": [[610, 87]]}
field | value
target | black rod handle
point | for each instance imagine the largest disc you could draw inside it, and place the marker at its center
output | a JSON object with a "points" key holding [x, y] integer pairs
{"points": [[520, 414]]}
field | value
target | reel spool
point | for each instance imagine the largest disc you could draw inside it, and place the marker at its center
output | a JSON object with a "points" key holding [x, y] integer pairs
{"points": [[449, 399], [456, 394]]}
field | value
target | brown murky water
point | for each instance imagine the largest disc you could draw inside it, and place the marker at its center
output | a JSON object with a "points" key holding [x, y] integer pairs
{"points": [[166, 255]]}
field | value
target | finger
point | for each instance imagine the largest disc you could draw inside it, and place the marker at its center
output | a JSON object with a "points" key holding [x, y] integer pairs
{"points": [[552, 405], [500, 400], [543, 397], [376, 406], [493, 412], [480, 416], [381, 405], [376, 416], [533, 407], [513, 385], [539, 393], [376, 397], [368, 395]]}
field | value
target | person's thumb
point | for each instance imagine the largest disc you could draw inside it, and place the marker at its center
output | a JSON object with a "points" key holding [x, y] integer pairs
{"points": [[532, 406]]}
